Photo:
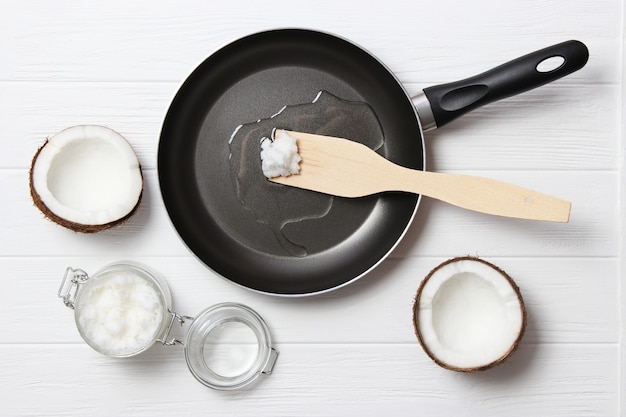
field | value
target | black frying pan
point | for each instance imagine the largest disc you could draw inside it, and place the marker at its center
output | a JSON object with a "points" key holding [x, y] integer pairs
{"points": [[282, 240]]}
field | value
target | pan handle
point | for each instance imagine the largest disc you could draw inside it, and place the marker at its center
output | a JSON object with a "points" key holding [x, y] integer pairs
{"points": [[446, 102]]}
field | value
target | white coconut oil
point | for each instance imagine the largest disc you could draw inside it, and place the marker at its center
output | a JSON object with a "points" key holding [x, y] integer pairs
{"points": [[280, 156], [120, 312]]}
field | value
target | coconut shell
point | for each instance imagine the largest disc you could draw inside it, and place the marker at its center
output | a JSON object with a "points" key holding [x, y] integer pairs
{"points": [[77, 227], [418, 332]]}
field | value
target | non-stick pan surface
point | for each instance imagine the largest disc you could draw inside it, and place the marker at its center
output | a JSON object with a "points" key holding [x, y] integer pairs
{"points": [[264, 236]]}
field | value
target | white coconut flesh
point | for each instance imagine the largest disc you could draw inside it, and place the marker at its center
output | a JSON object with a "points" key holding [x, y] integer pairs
{"points": [[87, 175], [469, 315]]}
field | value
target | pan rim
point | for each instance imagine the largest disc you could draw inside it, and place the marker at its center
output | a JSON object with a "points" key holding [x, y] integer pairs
{"points": [[399, 236]]}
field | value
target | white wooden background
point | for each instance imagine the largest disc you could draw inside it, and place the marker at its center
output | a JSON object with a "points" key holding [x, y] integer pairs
{"points": [[351, 351]]}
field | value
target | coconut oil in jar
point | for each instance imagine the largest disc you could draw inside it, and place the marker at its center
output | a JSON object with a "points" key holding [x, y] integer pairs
{"points": [[121, 310]]}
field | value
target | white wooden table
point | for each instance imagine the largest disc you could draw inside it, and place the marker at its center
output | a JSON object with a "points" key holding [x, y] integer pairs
{"points": [[351, 351]]}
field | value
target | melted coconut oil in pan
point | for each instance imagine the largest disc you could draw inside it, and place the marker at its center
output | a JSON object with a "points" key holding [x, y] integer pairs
{"points": [[280, 207]]}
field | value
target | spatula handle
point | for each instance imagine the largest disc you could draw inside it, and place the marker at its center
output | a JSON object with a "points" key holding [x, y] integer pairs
{"points": [[449, 101], [487, 196]]}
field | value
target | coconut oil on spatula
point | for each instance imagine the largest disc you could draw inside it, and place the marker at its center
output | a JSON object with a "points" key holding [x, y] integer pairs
{"points": [[346, 168]]}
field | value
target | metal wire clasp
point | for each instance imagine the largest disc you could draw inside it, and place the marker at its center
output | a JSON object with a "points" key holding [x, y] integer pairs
{"points": [[72, 279], [173, 318]]}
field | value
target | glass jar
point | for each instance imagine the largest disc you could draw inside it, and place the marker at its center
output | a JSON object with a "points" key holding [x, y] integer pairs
{"points": [[124, 309]]}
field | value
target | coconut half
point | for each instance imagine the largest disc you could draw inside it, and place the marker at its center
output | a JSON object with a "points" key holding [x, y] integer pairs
{"points": [[86, 178], [468, 315]]}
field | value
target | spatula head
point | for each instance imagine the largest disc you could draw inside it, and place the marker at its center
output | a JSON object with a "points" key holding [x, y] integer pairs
{"points": [[336, 166]]}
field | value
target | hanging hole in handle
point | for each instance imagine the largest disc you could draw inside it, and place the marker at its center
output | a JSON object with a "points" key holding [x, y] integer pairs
{"points": [[550, 64]]}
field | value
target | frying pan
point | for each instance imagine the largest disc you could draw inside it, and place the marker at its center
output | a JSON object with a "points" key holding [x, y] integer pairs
{"points": [[284, 241]]}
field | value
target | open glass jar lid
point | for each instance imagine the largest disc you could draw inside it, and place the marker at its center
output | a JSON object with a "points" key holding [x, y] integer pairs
{"points": [[123, 309]]}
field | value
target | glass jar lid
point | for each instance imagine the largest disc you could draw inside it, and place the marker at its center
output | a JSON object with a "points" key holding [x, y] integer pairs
{"points": [[228, 346]]}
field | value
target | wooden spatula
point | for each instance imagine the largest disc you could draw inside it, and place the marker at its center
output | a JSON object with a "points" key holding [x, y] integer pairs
{"points": [[346, 168]]}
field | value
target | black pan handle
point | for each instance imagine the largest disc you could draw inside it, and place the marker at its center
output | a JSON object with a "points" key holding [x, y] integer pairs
{"points": [[451, 100]]}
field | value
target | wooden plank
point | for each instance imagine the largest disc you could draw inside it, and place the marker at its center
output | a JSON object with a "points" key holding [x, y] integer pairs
{"points": [[145, 41], [551, 123], [439, 229], [569, 300], [571, 125], [316, 380], [33, 111], [460, 231], [622, 222]]}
